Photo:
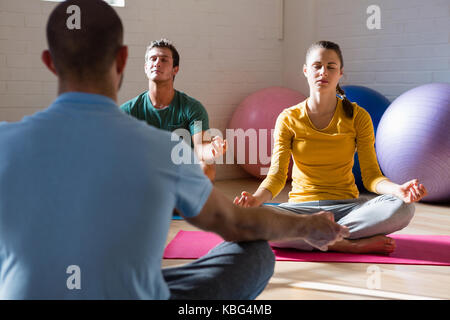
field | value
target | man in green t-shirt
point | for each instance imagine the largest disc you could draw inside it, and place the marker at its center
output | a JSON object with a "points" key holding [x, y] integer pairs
{"points": [[166, 108]]}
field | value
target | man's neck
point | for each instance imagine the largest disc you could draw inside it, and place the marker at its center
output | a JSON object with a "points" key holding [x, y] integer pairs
{"points": [[107, 91], [161, 94]]}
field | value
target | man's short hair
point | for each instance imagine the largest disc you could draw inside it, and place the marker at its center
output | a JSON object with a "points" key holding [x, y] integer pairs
{"points": [[164, 43], [87, 52]]}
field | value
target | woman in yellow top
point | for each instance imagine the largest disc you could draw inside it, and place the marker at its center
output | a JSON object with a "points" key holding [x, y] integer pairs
{"points": [[322, 134]]}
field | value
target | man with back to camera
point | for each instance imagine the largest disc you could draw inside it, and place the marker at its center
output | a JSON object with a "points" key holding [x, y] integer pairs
{"points": [[73, 226], [166, 108]]}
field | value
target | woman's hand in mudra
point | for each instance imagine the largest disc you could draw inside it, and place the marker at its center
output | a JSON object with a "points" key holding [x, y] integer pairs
{"points": [[411, 191]]}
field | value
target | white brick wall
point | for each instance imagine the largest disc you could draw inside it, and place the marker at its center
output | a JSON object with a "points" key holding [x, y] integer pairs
{"points": [[25, 85], [230, 49], [411, 48]]}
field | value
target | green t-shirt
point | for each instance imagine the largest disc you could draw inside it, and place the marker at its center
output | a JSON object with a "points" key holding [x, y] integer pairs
{"points": [[183, 112]]}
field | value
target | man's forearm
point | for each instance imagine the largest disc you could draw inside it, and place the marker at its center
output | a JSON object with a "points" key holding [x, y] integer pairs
{"points": [[204, 152], [267, 223], [235, 223]]}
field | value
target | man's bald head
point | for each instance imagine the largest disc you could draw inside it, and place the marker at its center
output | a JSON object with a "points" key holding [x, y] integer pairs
{"points": [[86, 53]]}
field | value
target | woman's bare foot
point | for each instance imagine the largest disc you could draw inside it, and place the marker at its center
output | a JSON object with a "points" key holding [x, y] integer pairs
{"points": [[375, 244]]}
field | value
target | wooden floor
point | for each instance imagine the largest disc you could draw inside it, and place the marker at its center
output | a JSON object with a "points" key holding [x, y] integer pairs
{"points": [[349, 281]]}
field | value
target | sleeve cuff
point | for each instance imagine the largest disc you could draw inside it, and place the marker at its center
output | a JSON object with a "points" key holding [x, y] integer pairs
{"points": [[374, 183]]}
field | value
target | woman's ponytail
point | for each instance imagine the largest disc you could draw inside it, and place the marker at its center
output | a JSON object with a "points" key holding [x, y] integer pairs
{"points": [[347, 105]]}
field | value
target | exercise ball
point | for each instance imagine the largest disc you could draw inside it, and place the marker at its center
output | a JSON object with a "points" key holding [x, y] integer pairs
{"points": [[252, 125], [375, 104], [413, 139]]}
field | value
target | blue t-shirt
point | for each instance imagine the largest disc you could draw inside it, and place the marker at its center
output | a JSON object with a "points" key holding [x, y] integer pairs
{"points": [[86, 198]]}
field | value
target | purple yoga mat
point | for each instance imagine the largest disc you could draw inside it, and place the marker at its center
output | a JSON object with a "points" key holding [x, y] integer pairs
{"points": [[410, 249]]}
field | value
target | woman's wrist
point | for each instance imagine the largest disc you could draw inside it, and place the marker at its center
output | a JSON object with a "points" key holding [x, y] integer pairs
{"points": [[262, 195], [387, 187], [397, 192]]}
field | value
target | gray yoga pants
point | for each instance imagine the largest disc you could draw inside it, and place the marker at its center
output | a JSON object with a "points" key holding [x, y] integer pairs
{"points": [[384, 214]]}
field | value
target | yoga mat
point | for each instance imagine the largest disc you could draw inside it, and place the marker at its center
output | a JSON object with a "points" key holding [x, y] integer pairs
{"points": [[411, 249]]}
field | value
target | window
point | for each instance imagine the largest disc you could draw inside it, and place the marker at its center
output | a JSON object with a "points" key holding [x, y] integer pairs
{"points": [[115, 3]]}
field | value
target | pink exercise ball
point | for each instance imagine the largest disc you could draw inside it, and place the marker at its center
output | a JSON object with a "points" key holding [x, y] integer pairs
{"points": [[256, 116]]}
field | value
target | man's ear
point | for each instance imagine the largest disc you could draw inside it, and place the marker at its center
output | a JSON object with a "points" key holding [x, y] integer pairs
{"points": [[121, 59], [48, 61], [175, 70], [305, 71]]}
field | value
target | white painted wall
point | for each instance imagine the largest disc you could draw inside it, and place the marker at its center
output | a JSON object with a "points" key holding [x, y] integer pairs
{"points": [[228, 50], [299, 34], [411, 48], [231, 48]]}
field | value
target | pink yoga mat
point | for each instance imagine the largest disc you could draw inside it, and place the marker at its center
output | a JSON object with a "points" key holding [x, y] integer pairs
{"points": [[411, 249]]}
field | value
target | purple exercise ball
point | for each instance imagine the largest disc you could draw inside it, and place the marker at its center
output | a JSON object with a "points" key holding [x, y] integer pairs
{"points": [[413, 139]]}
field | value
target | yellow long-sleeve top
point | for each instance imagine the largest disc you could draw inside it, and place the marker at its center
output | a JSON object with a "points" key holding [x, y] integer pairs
{"points": [[323, 159]]}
